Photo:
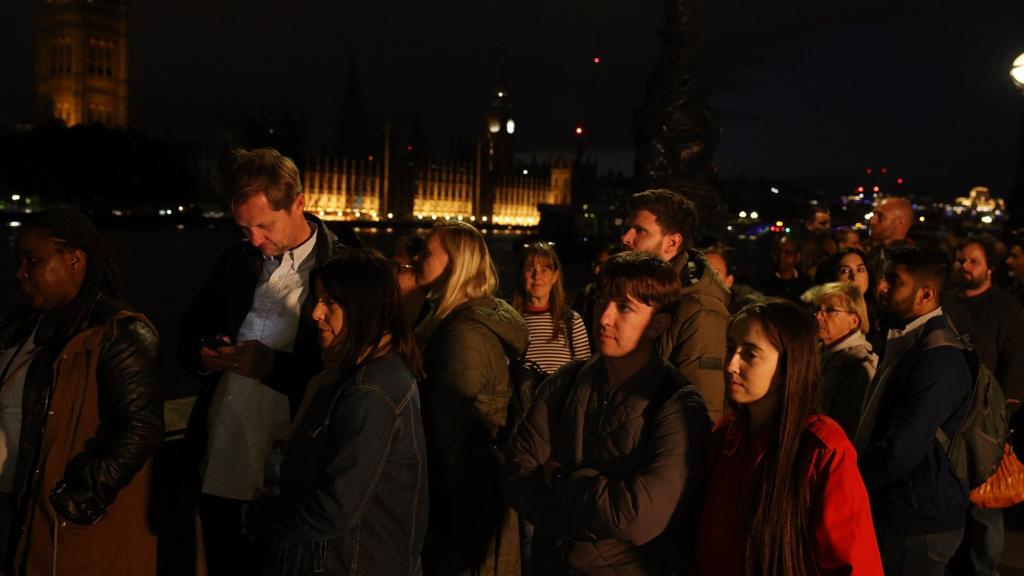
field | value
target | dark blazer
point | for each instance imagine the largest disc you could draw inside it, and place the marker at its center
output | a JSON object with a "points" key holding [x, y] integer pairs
{"points": [[915, 392]]}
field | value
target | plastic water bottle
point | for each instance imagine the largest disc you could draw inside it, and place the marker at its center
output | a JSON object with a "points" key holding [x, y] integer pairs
{"points": [[272, 469]]}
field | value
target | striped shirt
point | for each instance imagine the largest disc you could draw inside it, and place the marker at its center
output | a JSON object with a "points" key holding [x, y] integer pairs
{"points": [[553, 353]]}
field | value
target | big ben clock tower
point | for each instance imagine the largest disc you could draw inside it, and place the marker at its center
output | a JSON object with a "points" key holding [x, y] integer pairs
{"points": [[82, 62]]}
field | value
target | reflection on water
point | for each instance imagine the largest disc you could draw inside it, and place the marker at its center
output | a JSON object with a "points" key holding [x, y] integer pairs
{"points": [[163, 268]]}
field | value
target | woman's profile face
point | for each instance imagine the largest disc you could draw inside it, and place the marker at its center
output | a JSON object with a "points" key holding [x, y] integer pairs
{"points": [[852, 270], [835, 321], [328, 315], [46, 271], [539, 277], [432, 263], [752, 360]]}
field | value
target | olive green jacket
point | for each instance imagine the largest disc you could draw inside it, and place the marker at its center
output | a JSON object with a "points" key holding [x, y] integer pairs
{"points": [[466, 396], [695, 341]]}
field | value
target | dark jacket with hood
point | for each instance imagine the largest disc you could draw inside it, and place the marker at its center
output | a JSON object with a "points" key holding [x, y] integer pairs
{"points": [[221, 307], [465, 398], [632, 458], [695, 342]]}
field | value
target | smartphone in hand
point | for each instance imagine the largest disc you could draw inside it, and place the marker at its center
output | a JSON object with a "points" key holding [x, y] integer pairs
{"points": [[213, 342]]}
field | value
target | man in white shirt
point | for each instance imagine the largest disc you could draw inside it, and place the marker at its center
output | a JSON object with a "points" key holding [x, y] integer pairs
{"points": [[250, 335]]}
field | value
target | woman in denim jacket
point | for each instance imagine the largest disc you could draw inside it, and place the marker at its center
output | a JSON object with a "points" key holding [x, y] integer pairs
{"points": [[353, 488]]}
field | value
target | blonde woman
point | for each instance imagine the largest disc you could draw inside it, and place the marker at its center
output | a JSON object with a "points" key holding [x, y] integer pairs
{"points": [[847, 362], [467, 338]]}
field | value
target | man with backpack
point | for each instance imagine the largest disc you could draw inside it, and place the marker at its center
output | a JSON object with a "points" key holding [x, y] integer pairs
{"points": [[608, 461], [918, 399], [996, 318]]}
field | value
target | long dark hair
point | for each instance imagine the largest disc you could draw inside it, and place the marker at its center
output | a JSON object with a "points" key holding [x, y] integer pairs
{"points": [[781, 542], [69, 228], [545, 253], [363, 283]]}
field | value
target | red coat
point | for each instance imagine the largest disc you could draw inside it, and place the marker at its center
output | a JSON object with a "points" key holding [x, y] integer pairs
{"points": [[844, 535]]}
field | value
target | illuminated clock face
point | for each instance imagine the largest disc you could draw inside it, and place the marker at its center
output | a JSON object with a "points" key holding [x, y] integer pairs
{"points": [[1017, 72]]}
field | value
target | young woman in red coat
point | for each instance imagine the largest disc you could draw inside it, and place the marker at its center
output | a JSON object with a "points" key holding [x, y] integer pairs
{"points": [[784, 496]]}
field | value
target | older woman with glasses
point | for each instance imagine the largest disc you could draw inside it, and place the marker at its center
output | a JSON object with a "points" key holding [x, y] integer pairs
{"points": [[847, 362]]}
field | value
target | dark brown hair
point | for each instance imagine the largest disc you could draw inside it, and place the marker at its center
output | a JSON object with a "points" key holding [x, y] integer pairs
{"points": [[544, 252], [781, 542], [673, 212], [264, 170], [642, 276], [363, 283]]}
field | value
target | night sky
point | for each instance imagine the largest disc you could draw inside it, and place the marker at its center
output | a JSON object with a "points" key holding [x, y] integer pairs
{"points": [[807, 90]]}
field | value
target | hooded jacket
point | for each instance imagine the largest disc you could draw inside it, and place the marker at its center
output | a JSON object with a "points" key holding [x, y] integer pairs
{"points": [[632, 459], [695, 342], [465, 400]]}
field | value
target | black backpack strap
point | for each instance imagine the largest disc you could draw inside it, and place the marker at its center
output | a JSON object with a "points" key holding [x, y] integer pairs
{"points": [[568, 332]]}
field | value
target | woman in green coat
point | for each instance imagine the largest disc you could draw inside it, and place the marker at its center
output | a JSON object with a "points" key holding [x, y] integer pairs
{"points": [[467, 339]]}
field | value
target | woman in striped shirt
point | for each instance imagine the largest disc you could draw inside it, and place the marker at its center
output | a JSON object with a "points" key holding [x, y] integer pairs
{"points": [[557, 334]]}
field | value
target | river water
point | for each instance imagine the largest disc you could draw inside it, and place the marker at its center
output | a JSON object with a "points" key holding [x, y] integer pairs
{"points": [[164, 266]]}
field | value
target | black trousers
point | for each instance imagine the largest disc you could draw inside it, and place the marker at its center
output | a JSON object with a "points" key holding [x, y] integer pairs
{"points": [[228, 550]]}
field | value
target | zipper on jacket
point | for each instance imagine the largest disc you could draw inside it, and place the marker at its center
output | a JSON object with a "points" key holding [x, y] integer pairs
{"points": [[320, 557]]}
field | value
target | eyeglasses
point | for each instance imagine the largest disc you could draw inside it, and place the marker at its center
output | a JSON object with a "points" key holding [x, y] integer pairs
{"points": [[831, 311], [399, 267]]}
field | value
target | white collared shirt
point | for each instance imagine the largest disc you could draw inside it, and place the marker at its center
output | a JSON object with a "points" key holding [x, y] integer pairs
{"points": [[915, 324], [246, 416]]}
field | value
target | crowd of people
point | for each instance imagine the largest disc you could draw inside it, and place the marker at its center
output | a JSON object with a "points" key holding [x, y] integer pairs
{"points": [[366, 414]]}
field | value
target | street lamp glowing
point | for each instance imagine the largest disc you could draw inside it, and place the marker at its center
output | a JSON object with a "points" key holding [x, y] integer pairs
{"points": [[1017, 72]]}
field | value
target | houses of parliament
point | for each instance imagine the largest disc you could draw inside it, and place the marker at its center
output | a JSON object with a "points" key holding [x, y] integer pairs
{"points": [[82, 78]]}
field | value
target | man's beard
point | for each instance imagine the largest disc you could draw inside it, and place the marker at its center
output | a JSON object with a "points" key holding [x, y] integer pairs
{"points": [[969, 282]]}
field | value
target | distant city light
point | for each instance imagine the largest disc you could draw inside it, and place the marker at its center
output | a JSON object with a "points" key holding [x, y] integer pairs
{"points": [[868, 171], [501, 94], [729, 228], [14, 224], [525, 172], [899, 180], [779, 223], [15, 197], [181, 208], [483, 218], [597, 59], [391, 215], [753, 215], [860, 188], [885, 170], [775, 190], [869, 215], [743, 213], [986, 219], [920, 219], [510, 126], [579, 130], [876, 189]]}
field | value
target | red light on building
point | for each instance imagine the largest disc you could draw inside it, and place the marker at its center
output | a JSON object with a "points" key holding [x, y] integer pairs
{"points": [[876, 189], [868, 171], [597, 59], [899, 180], [885, 170], [860, 188]]}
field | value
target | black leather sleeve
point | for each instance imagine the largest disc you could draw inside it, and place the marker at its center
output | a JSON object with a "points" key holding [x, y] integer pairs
{"points": [[131, 425]]}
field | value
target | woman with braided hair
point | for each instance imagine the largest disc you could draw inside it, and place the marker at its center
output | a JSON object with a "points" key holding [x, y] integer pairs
{"points": [[80, 409]]}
